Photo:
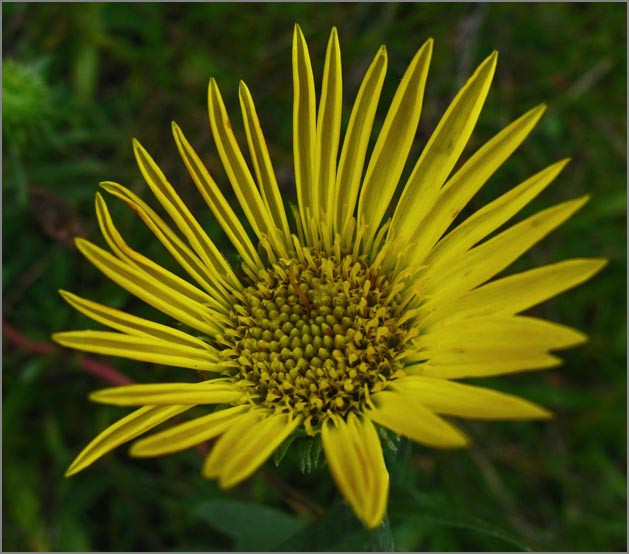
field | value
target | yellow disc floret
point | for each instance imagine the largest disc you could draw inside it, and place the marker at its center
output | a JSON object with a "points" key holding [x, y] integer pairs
{"points": [[317, 337]]}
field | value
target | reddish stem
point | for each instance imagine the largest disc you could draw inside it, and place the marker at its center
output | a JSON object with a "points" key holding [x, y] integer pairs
{"points": [[104, 371], [23, 342], [99, 369]]}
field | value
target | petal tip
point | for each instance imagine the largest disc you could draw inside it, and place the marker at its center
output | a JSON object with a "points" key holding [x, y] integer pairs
{"points": [[72, 470], [80, 244], [597, 264], [98, 396], [564, 162], [209, 471], [212, 87], [489, 63], [373, 522], [137, 450], [543, 414], [464, 441], [227, 483], [79, 464]]}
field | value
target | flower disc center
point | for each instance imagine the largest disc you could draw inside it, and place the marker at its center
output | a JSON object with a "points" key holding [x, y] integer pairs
{"points": [[317, 337]]}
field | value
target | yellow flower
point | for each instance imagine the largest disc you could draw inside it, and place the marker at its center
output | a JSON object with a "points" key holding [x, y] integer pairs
{"points": [[351, 317]]}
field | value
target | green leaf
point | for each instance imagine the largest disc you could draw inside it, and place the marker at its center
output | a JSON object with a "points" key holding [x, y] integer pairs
{"points": [[340, 531], [252, 527], [413, 504]]}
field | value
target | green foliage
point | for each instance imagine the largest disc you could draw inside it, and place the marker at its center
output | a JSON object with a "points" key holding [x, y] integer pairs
{"points": [[251, 527], [339, 531], [79, 80], [27, 103]]}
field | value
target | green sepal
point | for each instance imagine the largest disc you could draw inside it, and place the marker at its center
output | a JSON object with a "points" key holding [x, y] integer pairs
{"points": [[309, 454], [389, 438], [281, 450]]}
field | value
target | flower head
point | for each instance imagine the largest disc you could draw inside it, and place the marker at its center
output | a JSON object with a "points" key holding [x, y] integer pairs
{"points": [[355, 315]]}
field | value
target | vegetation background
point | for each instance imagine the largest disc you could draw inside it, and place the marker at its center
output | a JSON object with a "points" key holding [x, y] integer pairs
{"points": [[79, 80]]}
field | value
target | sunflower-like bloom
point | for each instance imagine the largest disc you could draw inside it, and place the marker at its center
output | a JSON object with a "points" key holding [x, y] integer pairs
{"points": [[355, 313]]}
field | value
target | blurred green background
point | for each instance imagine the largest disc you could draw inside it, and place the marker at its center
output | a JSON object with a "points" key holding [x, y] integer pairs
{"points": [[79, 80]]}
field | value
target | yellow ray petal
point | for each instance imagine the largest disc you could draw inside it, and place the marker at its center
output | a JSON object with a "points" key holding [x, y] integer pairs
{"points": [[463, 367], [406, 416], [247, 445], [466, 354], [483, 262], [226, 445], [304, 130], [490, 217], [457, 399], [162, 277], [355, 144], [261, 442], [185, 221], [238, 173], [354, 455], [187, 434], [467, 181], [499, 332], [144, 349], [394, 142], [203, 274], [151, 291], [513, 294], [442, 152], [160, 394], [214, 198], [122, 431], [130, 324], [329, 128], [262, 161]]}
